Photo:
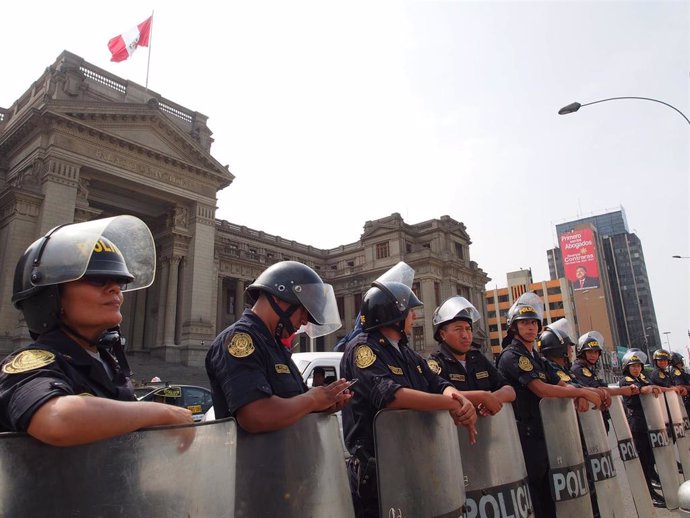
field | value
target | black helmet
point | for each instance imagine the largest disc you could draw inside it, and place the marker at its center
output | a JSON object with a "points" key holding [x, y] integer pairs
{"points": [[455, 308], [69, 252], [590, 341], [555, 339], [387, 303], [299, 285], [661, 354], [676, 359], [633, 357]]}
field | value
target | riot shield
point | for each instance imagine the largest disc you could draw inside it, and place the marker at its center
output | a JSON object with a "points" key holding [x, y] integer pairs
{"points": [[292, 473], [664, 456], [631, 462], [144, 474], [600, 464], [495, 474], [673, 405], [568, 475], [418, 479]]}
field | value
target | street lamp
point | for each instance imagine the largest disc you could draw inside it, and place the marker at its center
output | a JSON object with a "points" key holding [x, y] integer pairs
{"points": [[668, 340], [573, 107], [681, 256]]}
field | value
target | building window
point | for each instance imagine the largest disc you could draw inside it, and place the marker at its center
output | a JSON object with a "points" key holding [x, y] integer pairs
{"points": [[493, 328], [418, 338], [341, 306], [415, 290], [491, 314], [408, 247], [495, 342], [459, 250], [382, 250], [358, 301], [350, 263], [503, 298]]}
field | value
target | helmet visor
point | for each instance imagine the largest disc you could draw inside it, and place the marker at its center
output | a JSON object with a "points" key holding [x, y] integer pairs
{"points": [[456, 307], [401, 272], [319, 300], [591, 336], [68, 250], [562, 329], [533, 300]]}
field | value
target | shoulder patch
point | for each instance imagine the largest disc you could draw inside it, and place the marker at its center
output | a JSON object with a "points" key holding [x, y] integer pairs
{"points": [[241, 345], [525, 364], [364, 356], [587, 372], [629, 378], [676, 372], [28, 360], [662, 375], [563, 376], [434, 366]]}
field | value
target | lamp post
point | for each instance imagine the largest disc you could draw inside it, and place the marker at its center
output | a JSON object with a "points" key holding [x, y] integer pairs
{"points": [[681, 256], [573, 107], [668, 340]]}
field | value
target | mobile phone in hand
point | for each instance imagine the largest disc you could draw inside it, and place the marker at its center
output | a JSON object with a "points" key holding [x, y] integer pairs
{"points": [[349, 384]]}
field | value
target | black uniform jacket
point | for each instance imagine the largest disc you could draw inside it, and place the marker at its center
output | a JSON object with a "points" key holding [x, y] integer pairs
{"points": [[381, 371], [54, 366], [633, 404], [563, 373], [586, 375], [519, 367], [661, 378], [478, 373], [246, 363]]}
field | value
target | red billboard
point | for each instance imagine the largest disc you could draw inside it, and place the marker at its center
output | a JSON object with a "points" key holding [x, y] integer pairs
{"points": [[580, 259]]}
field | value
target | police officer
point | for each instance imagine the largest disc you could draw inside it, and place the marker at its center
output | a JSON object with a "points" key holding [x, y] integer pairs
{"points": [[660, 375], [390, 375], [633, 363], [466, 368], [68, 286], [532, 380], [680, 377], [251, 373]]}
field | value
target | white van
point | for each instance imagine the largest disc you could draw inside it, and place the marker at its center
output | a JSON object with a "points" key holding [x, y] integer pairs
{"points": [[307, 362]]}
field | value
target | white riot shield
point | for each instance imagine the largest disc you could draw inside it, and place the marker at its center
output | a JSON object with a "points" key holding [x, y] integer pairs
{"points": [[631, 462], [418, 479], [664, 457], [686, 421], [495, 473], [568, 473], [292, 473], [144, 474], [673, 404], [600, 464]]}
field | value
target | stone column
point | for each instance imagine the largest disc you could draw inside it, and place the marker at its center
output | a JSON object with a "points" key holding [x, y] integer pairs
{"points": [[136, 342], [429, 300], [220, 304], [162, 299], [239, 298], [59, 187], [171, 301]]}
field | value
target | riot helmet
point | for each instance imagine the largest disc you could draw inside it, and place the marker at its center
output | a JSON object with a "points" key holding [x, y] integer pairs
{"points": [[590, 341], [555, 339], [455, 308], [632, 357], [528, 307], [298, 285], [661, 354], [120, 248], [387, 304], [677, 360]]}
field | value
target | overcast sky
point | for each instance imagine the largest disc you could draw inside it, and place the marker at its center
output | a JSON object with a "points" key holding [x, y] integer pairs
{"points": [[330, 114]]}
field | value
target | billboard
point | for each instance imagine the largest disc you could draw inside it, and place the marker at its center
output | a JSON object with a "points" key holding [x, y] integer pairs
{"points": [[580, 259]]}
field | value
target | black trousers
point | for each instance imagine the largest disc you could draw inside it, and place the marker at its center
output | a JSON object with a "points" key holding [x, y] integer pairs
{"points": [[363, 486], [537, 464]]}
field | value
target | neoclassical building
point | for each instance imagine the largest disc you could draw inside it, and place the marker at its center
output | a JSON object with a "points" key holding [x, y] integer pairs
{"points": [[82, 143]]}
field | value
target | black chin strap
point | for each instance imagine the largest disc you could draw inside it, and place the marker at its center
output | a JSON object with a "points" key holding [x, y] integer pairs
{"points": [[110, 341], [283, 318]]}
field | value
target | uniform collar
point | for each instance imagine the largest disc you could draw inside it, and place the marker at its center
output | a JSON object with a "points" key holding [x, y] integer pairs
{"points": [[259, 326], [63, 343], [447, 353]]}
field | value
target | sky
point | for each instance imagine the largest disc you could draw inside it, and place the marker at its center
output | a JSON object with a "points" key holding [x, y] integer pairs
{"points": [[330, 114]]}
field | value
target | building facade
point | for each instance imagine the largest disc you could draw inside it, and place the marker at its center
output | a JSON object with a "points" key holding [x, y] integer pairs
{"points": [[624, 276], [82, 144]]}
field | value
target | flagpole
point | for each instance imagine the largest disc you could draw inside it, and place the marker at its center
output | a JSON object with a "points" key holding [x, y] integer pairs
{"points": [[148, 61]]}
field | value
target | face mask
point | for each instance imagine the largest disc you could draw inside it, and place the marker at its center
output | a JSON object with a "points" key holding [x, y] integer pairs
{"points": [[287, 342]]}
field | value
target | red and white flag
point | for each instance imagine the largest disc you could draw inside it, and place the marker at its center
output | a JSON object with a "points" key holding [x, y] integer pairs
{"points": [[123, 45]]}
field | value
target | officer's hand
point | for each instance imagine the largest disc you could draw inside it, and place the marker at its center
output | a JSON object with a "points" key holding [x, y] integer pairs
{"points": [[680, 390], [581, 404], [605, 398], [178, 415], [331, 397], [656, 390], [490, 405], [464, 414], [593, 397], [633, 390]]}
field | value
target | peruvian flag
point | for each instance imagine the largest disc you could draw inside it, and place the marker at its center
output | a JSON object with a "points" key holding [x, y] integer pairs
{"points": [[124, 45]]}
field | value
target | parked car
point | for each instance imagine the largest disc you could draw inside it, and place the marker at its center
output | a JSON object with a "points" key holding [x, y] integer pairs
{"points": [[196, 399]]}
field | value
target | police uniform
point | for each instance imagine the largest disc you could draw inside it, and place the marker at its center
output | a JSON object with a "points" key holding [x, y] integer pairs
{"points": [[381, 370], [661, 378], [246, 363], [477, 373], [586, 376], [520, 366], [638, 425], [681, 378], [53, 366]]}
